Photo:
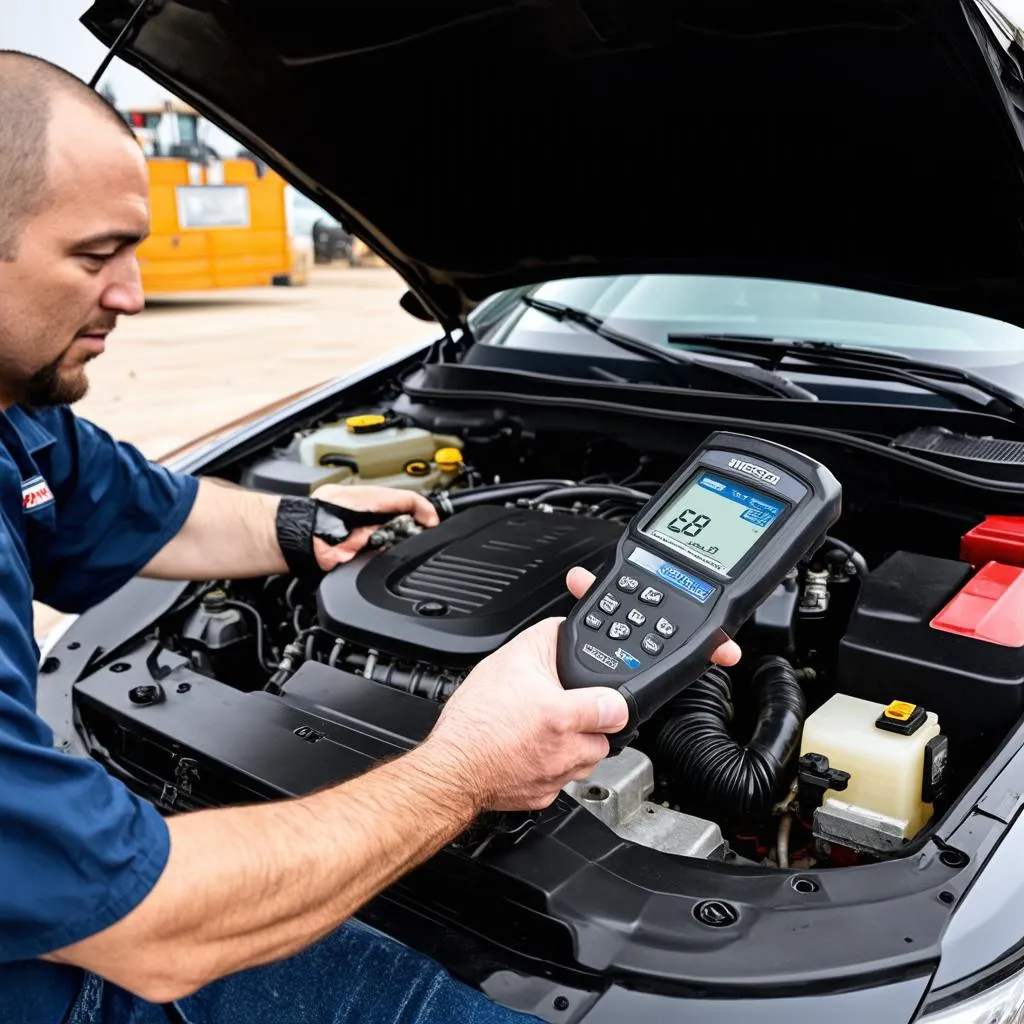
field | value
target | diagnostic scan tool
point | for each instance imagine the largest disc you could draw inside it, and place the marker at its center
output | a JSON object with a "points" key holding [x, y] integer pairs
{"points": [[692, 566]]}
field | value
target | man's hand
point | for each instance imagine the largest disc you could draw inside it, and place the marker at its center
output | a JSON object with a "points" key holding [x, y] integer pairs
{"points": [[515, 734], [231, 532], [367, 499]]}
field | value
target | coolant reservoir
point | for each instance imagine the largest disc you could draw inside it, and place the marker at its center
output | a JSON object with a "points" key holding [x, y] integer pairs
{"points": [[895, 755], [385, 454]]}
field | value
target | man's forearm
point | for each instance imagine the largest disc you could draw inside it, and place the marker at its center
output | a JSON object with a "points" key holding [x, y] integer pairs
{"points": [[230, 533], [225, 902]]}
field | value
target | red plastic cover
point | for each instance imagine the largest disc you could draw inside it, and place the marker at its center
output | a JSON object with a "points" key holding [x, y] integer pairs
{"points": [[996, 539], [990, 607]]}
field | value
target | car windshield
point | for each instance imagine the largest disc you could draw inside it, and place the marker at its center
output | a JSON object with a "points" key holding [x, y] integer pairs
{"points": [[653, 306]]}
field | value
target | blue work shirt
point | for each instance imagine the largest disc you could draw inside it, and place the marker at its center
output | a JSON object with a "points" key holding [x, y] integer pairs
{"points": [[80, 515]]}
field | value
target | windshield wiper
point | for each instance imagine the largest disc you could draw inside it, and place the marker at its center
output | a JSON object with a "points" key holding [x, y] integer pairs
{"points": [[853, 361], [765, 381]]}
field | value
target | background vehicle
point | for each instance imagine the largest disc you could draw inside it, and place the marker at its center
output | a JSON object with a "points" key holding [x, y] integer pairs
{"points": [[332, 242], [694, 878], [215, 223], [329, 239]]}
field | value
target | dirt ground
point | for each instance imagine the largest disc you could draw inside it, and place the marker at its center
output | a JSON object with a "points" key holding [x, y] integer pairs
{"points": [[191, 363]]}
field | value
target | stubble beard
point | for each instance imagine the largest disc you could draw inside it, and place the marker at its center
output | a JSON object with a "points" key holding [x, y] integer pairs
{"points": [[54, 385]]}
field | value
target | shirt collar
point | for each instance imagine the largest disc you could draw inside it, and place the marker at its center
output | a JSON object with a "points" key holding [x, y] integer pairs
{"points": [[33, 434]]}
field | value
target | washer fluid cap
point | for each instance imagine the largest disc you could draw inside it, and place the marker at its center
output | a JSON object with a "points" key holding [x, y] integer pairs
{"points": [[902, 717], [448, 459], [366, 424]]}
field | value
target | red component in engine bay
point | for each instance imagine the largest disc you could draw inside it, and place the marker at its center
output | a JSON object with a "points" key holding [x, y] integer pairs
{"points": [[989, 607], [995, 539]]}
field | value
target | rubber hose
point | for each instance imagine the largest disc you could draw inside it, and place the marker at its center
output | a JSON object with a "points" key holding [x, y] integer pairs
{"points": [[493, 494], [581, 491], [740, 782], [851, 553]]}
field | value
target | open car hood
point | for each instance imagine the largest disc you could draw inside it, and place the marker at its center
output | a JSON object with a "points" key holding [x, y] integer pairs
{"points": [[480, 144]]}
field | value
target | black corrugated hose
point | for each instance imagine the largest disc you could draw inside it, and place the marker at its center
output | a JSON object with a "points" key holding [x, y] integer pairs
{"points": [[695, 747]]}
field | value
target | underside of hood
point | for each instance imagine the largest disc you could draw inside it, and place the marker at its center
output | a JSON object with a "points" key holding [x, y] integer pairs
{"points": [[480, 144]]}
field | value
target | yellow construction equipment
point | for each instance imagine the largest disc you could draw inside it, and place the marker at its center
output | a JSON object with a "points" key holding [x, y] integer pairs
{"points": [[215, 223]]}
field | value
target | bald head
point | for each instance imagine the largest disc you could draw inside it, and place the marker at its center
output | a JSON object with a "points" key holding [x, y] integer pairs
{"points": [[74, 209], [31, 89]]}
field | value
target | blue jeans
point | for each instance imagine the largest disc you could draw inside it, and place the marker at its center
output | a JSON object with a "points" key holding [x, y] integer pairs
{"points": [[354, 976]]}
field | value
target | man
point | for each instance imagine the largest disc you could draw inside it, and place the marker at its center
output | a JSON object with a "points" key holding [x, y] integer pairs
{"points": [[107, 910]]}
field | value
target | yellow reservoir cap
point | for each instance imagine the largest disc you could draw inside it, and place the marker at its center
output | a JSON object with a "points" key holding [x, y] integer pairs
{"points": [[417, 468], [367, 422], [900, 711], [448, 459]]}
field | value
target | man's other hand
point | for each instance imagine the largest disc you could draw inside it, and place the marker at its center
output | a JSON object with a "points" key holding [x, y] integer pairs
{"points": [[514, 736], [367, 499]]}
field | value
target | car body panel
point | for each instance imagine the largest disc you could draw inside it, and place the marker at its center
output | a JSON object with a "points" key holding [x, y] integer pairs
{"points": [[988, 922], [896, 1002]]}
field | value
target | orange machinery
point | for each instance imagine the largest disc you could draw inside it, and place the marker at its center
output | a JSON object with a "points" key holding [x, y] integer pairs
{"points": [[214, 223]]}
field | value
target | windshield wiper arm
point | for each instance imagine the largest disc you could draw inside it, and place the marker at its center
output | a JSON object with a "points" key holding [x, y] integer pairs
{"points": [[851, 360], [770, 383]]}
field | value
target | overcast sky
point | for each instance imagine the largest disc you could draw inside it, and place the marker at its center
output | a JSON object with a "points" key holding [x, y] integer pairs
{"points": [[51, 29]]}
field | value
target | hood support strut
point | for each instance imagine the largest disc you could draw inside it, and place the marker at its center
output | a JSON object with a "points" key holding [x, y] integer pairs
{"points": [[125, 36]]}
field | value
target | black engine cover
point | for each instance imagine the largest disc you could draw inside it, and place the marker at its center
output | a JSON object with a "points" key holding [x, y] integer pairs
{"points": [[452, 594]]}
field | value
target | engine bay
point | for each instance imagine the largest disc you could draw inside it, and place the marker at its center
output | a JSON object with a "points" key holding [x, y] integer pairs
{"points": [[875, 681]]}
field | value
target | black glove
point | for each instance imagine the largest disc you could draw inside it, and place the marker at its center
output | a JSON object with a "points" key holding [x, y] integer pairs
{"points": [[299, 520]]}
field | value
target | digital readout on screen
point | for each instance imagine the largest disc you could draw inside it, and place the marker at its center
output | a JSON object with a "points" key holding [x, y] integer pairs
{"points": [[714, 521]]}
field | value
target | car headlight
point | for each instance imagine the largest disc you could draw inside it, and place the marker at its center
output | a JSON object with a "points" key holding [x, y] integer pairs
{"points": [[1003, 1003]]}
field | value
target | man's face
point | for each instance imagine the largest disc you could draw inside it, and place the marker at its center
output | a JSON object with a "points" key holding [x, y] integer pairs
{"points": [[75, 268]]}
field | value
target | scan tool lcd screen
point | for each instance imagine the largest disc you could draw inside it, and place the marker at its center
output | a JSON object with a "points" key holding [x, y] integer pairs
{"points": [[714, 521]]}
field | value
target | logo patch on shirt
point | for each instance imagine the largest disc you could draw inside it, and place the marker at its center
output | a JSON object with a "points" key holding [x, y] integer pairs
{"points": [[35, 494]]}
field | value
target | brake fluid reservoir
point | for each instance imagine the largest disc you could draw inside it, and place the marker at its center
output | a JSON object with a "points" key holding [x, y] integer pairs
{"points": [[385, 454], [894, 754]]}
